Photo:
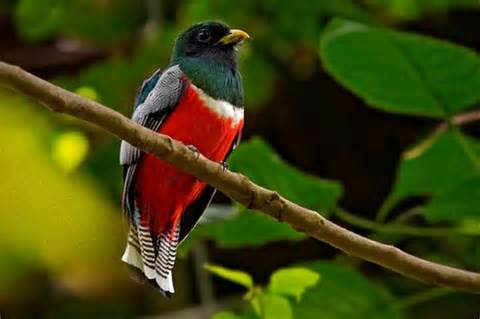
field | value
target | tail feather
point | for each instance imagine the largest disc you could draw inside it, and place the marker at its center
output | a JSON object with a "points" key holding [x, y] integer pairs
{"points": [[154, 263], [147, 251], [167, 251]]}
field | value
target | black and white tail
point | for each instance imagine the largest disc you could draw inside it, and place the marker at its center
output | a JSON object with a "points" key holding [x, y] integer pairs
{"points": [[154, 258]]}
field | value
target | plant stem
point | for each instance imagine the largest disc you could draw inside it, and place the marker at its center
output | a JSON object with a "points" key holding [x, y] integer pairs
{"points": [[423, 296], [401, 229]]}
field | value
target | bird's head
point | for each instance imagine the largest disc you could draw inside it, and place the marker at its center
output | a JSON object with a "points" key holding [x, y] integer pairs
{"points": [[206, 52], [209, 41]]}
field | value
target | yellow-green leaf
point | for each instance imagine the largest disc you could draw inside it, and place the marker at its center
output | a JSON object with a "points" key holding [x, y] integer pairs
{"points": [[236, 276], [293, 281], [276, 307]]}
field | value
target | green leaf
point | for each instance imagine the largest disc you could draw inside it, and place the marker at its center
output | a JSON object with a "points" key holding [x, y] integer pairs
{"points": [[293, 281], [258, 160], [435, 171], [276, 307], [400, 72], [458, 203], [344, 294], [225, 315], [230, 315], [260, 229], [236, 276]]}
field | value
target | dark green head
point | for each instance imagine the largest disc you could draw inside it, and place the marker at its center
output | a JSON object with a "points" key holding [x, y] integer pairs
{"points": [[207, 54]]}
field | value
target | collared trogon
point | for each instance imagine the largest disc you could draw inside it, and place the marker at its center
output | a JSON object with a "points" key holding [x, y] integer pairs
{"points": [[197, 100]]}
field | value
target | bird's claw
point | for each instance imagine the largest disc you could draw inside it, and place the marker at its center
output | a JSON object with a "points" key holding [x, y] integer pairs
{"points": [[224, 165], [195, 150]]}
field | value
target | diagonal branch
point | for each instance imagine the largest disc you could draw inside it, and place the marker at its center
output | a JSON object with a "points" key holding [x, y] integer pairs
{"points": [[236, 186]]}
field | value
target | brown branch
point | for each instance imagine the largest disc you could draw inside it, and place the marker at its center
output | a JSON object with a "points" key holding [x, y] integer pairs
{"points": [[236, 186]]}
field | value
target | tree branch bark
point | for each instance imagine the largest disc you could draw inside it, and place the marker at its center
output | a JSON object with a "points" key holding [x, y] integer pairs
{"points": [[236, 186]]}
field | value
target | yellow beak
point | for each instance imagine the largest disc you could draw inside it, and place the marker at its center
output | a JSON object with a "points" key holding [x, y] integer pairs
{"points": [[235, 36]]}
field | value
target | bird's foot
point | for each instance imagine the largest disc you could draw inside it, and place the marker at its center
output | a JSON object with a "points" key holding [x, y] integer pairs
{"points": [[194, 149], [224, 165]]}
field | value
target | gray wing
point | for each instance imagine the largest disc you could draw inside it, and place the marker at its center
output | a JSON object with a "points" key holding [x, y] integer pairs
{"points": [[157, 98]]}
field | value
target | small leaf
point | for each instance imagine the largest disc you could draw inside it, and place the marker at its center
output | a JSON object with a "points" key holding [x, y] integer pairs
{"points": [[236, 276], [400, 72], [226, 315], [276, 307], [293, 281]]}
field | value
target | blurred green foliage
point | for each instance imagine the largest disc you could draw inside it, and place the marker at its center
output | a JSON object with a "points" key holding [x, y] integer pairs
{"points": [[50, 215], [97, 21], [412, 9], [76, 234]]}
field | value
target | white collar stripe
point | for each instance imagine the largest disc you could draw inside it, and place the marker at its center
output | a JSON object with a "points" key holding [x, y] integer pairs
{"points": [[220, 107]]}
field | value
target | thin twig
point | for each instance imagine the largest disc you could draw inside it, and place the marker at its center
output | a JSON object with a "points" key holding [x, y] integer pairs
{"points": [[398, 229], [458, 120], [422, 297], [236, 186]]}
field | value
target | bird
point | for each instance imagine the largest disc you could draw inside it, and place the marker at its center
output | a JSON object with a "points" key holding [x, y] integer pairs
{"points": [[198, 100]]}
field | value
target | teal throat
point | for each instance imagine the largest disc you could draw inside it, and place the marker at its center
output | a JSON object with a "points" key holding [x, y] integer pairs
{"points": [[220, 81]]}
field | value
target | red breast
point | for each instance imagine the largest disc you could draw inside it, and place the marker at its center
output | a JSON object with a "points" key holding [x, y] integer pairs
{"points": [[163, 192]]}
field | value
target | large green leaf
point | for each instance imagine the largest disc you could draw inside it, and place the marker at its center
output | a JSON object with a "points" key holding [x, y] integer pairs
{"points": [[292, 281], [460, 202], [344, 294], [400, 72], [258, 160], [436, 171], [249, 229]]}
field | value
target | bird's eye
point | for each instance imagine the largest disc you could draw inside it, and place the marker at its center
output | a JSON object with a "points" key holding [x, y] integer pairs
{"points": [[204, 36]]}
